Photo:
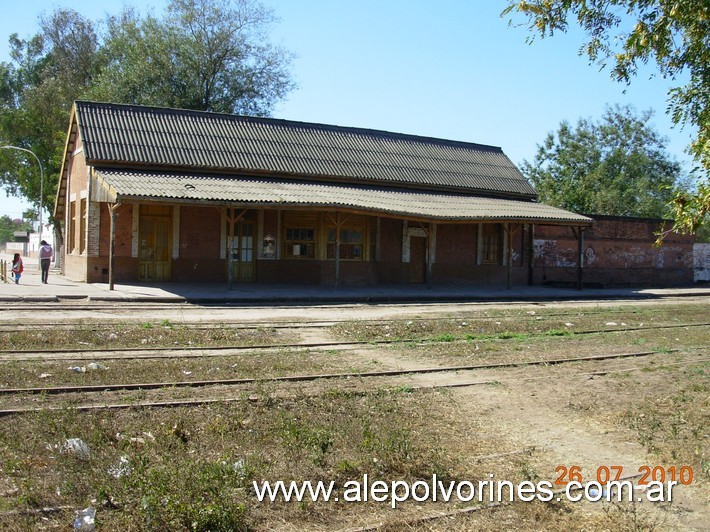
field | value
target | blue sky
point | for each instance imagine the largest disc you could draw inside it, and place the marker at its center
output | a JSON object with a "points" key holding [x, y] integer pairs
{"points": [[447, 68]]}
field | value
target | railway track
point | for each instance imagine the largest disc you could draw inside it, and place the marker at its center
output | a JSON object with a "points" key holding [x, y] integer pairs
{"points": [[175, 351], [294, 324], [366, 376], [305, 378], [80, 305], [322, 378]]}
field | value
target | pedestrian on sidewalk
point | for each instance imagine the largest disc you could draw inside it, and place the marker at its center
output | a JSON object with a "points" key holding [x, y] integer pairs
{"points": [[46, 253], [17, 267]]}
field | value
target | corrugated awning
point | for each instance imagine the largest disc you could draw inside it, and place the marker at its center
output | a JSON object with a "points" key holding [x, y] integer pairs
{"points": [[128, 185]]}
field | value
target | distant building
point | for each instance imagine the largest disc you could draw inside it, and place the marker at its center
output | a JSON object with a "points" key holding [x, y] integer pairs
{"points": [[36, 238], [27, 244]]}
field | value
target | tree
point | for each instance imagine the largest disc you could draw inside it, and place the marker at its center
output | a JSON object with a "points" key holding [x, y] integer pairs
{"points": [[631, 32], [692, 212], [618, 166], [8, 226], [48, 72], [209, 55]]}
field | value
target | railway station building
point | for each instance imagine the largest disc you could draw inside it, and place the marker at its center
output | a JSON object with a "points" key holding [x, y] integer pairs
{"points": [[156, 195]]}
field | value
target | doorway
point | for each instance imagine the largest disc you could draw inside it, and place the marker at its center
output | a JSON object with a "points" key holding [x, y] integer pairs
{"points": [[243, 252], [155, 242], [417, 259]]}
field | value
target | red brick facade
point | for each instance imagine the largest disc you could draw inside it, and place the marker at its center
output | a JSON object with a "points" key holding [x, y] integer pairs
{"points": [[617, 252]]}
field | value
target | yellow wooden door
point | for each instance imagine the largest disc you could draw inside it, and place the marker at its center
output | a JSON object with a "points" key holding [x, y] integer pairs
{"points": [[154, 252]]}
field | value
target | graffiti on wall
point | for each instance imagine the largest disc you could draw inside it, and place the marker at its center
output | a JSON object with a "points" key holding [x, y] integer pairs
{"points": [[701, 262], [548, 254], [553, 253]]}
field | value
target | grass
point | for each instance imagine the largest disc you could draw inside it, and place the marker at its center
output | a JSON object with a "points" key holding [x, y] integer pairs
{"points": [[130, 335], [673, 426], [192, 468], [515, 324], [260, 365]]}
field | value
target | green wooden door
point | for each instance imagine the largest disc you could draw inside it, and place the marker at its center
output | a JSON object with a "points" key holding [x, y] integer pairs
{"points": [[243, 252]]}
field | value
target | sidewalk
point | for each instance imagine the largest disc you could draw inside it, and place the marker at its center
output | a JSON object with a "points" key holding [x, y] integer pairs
{"points": [[61, 289]]}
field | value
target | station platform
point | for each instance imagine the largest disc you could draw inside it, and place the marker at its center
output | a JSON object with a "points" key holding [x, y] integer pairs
{"points": [[61, 289]]}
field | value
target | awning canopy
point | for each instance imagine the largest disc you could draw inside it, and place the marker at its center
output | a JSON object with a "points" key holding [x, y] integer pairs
{"points": [[118, 185]]}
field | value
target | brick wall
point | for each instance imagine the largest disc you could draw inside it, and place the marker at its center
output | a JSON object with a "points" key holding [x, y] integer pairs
{"points": [[390, 240], [456, 257], [74, 264], [617, 252], [126, 269], [199, 233], [289, 271], [93, 230], [456, 244], [124, 221]]}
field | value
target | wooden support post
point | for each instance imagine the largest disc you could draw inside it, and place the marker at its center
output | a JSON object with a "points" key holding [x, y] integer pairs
{"points": [[230, 247], [338, 222], [338, 225], [531, 255], [112, 207], [430, 255], [580, 257], [509, 235]]}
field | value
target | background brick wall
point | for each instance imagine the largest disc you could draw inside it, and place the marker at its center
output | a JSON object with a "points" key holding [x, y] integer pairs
{"points": [[124, 221], [617, 252]]}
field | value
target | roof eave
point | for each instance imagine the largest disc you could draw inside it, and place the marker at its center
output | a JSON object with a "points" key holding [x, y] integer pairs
{"points": [[73, 133], [245, 172], [126, 198]]}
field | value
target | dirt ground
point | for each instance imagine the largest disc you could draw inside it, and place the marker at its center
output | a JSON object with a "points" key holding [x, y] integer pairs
{"points": [[517, 423], [574, 420], [540, 408]]}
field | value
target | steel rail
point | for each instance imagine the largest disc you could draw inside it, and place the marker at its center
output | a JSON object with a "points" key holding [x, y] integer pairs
{"points": [[244, 324], [492, 336], [223, 400], [61, 303], [51, 390]]}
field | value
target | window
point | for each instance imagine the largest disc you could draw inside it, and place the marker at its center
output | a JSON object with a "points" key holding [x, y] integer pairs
{"points": [[300, 243], [492, 246], [82, 225], [72, 226], [350, 243]]}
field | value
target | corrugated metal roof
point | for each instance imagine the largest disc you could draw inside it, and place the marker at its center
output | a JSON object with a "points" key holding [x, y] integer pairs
{"points": [[174, 186], [151, 137]]}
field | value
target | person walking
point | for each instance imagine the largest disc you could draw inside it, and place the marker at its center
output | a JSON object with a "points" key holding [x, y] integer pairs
{"points": [[46, 253], [17, 267]]}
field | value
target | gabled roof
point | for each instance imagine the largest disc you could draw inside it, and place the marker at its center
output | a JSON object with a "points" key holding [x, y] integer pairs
{"points": [[138, 153], [159, 138]]}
